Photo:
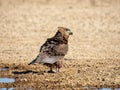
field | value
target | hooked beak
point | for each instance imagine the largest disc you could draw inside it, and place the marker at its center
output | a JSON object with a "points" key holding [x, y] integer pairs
{"points": [[70, 33]]}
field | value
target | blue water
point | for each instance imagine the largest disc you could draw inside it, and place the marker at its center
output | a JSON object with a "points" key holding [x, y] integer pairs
{"points": [[117, 89], [7, 80], [14, 89], [94, 88], [109, 89], [90, 88], [105, 89], [6, 88], [3, 69]]}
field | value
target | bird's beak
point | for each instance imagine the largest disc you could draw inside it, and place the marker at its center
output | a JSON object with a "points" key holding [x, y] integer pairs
{"points": [[70, 33]]}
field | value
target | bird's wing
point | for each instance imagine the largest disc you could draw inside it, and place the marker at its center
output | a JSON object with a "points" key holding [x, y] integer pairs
{"points": [[53, 54], [51, 51], [54, 48], [61, 49]]}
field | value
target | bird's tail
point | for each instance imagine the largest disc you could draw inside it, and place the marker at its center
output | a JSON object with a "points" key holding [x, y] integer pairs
{"points": [[33, 61]]}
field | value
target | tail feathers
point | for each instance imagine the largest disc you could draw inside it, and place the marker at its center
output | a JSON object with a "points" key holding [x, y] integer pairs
{"points": [[33, 61]]}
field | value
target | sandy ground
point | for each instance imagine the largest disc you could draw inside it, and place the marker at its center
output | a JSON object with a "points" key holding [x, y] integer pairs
{"points": [[94, 49]]}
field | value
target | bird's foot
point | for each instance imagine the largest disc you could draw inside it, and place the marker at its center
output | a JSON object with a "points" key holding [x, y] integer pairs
{"points": [[51, 71]]}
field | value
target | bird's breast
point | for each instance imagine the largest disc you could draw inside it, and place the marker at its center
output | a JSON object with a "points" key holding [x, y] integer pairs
{"points": [[50, 60]]}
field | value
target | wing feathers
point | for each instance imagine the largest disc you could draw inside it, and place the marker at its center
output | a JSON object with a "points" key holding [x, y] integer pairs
{"points": [[33, 61]]}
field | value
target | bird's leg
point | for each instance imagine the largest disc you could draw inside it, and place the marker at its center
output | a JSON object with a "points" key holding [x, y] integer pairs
{"points": [[58, 69], [51, 69], [58, 65]]}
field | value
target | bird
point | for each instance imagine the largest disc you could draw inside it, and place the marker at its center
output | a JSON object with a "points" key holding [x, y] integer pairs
{"points": [[54, 49]]}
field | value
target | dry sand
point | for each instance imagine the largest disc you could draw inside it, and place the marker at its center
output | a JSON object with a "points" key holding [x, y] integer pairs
{"points": [[94, 49]]}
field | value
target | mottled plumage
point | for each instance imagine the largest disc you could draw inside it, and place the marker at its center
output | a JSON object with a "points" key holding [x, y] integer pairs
{"points": [[54, 49]]}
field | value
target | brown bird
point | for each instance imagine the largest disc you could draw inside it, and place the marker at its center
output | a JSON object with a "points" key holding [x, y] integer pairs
{"points": [[54, 49]]}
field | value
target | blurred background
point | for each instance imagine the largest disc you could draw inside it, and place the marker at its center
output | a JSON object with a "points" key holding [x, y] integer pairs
{"points": [[26, 24], [94, 49], [68, 2]]}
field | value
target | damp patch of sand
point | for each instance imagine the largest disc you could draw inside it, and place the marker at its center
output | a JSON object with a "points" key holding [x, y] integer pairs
{"points": [[93, 59]]}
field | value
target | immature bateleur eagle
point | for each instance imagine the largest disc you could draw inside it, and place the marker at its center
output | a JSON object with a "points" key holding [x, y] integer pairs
{"points": [[54, 49]]}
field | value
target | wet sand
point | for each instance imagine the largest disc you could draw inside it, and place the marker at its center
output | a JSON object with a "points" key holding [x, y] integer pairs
{"points": [[93, 59], [73, 75]]}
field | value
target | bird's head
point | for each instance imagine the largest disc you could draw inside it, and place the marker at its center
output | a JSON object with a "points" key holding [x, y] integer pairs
{"points": [[65, 32]]}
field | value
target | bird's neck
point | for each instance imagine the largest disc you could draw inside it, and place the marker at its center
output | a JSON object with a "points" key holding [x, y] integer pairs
{"points": [[61, 38]]}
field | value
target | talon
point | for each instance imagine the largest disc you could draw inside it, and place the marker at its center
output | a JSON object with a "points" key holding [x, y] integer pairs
{"points": [[51, 71]]}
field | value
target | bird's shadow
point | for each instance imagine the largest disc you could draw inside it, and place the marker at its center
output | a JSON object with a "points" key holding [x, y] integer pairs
{"points": [[67, 59], [24, 72], [34, 72]]}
